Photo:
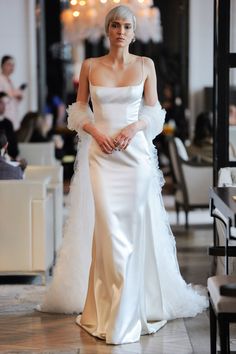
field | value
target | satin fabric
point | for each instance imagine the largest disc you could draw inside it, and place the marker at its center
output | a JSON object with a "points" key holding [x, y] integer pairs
{"points": [[134, 285]]}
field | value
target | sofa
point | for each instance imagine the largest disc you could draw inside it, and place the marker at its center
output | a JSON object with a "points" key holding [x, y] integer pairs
{"points": [[31, 221], [26, 227], [55, 186]]}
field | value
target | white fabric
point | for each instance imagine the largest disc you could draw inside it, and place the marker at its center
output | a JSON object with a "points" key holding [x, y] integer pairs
{"points": [[134, 274], [74, 258], [154, 116], [181, 149], [79, 113]]}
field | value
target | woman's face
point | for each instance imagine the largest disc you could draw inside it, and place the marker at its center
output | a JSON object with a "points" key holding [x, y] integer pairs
{"points": [[8, 67], [120, 32]]}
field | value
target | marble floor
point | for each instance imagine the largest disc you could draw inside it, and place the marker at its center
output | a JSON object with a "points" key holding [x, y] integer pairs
{"points": [[24, 330]]}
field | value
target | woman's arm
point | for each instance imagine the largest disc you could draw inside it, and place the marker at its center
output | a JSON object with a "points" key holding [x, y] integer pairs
{"points": [[9, 89], [150, 86], [151, 111]]}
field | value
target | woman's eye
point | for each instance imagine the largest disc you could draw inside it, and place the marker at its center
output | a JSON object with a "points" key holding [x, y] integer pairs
{"points": [[117, 25]]}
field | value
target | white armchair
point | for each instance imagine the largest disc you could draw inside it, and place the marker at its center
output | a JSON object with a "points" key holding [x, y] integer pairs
{"points": [[55, 186], [26, 227], [192, 179], [38, 153]]}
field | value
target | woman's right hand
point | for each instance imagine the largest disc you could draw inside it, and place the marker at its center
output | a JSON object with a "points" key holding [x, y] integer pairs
{"points": [[105, 142]]}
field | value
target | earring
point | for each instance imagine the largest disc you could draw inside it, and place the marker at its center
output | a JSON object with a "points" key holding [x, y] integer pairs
{"points": [[133, 40]]}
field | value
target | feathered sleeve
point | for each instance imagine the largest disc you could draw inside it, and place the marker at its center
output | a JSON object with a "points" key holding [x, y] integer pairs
{"points": [[79, 113], [154, 116]]}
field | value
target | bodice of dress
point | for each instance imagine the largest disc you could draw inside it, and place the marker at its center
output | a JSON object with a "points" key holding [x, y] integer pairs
{"points": [[115, 107]]}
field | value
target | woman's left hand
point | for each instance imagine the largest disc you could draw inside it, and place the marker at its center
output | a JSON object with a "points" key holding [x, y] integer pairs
{"points": [[124, 137]]}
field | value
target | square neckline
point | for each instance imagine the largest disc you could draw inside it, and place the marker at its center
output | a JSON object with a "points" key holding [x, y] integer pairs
{"points": [[111, 87]]}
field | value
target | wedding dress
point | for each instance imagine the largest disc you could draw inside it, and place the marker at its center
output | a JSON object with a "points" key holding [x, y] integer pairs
{"points": [[134, 285]]}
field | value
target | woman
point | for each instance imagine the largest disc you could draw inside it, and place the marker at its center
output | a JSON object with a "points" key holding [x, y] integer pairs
{"points": [[134, 269], [27, 127], [201, 148], [14, 95]]}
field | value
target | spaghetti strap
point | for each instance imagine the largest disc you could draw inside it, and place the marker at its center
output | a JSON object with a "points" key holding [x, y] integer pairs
{"points": [[90, 68], [142, 63]]}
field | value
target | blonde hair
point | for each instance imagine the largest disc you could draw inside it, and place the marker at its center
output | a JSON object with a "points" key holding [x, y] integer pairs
{"points": [[122, 12]]}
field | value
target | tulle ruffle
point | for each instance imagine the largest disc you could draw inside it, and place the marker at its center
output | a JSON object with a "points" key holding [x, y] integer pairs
{"points": [[67, 292], [79, 113], [154, 116]]}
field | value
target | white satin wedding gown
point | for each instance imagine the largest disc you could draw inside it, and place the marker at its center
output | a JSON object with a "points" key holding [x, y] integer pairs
{"points": [[134, 284]]}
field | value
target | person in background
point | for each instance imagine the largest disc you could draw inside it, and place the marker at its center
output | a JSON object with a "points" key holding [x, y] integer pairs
{"points": [[37, 129], [168, 102], [57, 108], [7, 170], [201, 148], [7, 126], [15, 94], [27, 127]]}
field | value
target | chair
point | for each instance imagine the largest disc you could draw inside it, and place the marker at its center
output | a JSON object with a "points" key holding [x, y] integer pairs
{"points": [[222, 294], [38, 153], [192, 179], [222, 298], [226, 178], [26, 227], [55, 186]]}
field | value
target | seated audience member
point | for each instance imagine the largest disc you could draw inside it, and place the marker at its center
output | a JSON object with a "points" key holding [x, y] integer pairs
{"points": [[201, 148], [27, 127], [37, 129], [7, 126], [7, 170]]}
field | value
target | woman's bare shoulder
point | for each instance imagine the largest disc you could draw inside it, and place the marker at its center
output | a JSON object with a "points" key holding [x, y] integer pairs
{"points": [[149, 67], [97, 60], [87, 62], [148, 62]]}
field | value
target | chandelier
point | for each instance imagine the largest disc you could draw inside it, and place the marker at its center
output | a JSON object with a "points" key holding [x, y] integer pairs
{"points": [[84, 19]]}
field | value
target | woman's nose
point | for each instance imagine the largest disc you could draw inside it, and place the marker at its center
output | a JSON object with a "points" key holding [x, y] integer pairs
{"points": [[121, 29]]}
